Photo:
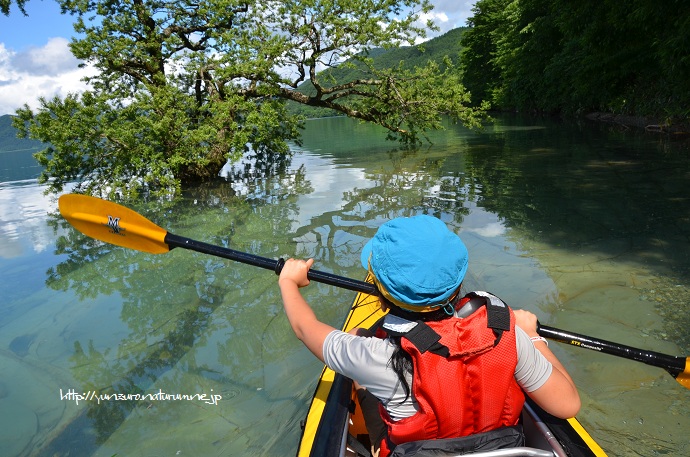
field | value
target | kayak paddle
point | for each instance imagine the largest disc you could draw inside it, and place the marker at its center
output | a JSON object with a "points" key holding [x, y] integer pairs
{"points": [[121, 226], [678, 367]]}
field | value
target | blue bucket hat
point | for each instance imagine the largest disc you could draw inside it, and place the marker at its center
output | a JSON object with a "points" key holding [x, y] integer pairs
{"points": [[417, 262]]}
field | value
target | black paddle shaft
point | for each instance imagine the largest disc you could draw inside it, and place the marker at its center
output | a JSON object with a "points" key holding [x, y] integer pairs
{"points": [[269, 264], [674, 365]]}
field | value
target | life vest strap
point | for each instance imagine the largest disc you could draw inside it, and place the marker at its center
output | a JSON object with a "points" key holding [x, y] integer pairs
{"points": [[497, 313], [425, 338]]}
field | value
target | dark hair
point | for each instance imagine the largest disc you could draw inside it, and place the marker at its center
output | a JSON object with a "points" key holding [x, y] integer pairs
{"points": [[401, 363]]}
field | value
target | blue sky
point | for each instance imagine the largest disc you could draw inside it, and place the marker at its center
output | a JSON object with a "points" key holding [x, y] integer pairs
{"points": [[35, 59], [44, 21]]}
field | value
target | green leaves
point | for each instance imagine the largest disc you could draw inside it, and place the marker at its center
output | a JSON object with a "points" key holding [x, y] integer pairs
{"points": [[561, 56], [6, 4], [185, 86]]}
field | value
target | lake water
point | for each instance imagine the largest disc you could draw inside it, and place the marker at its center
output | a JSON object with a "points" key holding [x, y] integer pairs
{"points": [[588, 226]]}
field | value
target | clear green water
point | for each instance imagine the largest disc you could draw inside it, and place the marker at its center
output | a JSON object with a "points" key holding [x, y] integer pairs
{"points": [[587, 226]]}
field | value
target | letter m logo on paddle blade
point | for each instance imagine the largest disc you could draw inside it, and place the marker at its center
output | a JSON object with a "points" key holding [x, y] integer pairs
{"points": [[112, 223]]}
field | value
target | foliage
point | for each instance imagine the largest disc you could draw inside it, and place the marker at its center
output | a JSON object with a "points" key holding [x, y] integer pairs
{"points": [[6, 4], [558, 56], [183, 87], [407, 57], [479, 47]]}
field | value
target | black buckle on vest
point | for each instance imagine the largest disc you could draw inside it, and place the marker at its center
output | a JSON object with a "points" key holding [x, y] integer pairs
{"points": [[423, 338], [426, 339]]}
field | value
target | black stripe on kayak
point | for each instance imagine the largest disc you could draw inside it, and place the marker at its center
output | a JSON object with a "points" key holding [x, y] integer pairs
{"points": [[567, 436], [328, 439]]}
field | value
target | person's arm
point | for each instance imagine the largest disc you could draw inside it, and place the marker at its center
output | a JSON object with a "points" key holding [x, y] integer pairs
{"points": [[558, 395], [306, 326]]}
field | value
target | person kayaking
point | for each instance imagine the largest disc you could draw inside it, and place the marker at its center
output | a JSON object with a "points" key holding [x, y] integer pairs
{"points": [[443, 370]]}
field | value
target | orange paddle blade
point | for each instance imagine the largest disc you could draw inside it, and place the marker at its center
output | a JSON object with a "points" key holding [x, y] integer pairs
{"points": [[112, 223], [684, 377]]}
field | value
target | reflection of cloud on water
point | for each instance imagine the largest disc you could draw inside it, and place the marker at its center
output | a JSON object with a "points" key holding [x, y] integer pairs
{"points": [[23, 228], [490, 230], [483, 223], [329, 182]]}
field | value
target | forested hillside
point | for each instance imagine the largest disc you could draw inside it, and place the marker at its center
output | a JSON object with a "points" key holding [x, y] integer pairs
{"points": [[558, 56], [9, 140], [409, 57]]}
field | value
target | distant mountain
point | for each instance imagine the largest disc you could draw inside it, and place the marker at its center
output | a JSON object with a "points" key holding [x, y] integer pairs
{"points": [[17, 162], [9, 140], [435, 49]]}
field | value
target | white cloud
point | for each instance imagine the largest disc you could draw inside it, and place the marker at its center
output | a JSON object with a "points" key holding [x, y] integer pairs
{"points": [[53, 58], [38, 72], [435, 16], [451, 14], [446, 15]]}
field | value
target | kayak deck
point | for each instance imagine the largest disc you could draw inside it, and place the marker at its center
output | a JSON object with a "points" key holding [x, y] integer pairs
{"points": [[334, 425]]}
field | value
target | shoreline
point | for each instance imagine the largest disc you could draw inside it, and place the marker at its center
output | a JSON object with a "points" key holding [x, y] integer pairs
{"points": [[647, 123]]}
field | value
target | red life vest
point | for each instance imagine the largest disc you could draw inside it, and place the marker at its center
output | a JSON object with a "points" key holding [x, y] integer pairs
{"points": [[463, 382]]}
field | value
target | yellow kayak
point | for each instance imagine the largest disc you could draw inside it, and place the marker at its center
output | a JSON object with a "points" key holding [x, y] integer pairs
{"points": [[334, 425]]}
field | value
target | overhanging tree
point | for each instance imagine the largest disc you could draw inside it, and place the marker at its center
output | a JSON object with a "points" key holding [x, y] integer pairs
{"points": [[184, 86], [5, 6]]}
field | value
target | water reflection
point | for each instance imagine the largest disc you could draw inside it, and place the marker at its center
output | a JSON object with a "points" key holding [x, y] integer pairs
{"points": [[571, 198], [568, 223], [175, 305], [169, 302], [625, 205], [23, 210]]}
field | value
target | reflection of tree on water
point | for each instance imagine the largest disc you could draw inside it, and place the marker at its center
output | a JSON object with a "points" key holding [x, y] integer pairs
{"points": [[406, 186], [136, 373], [621, 202], [256, 169], [168, 301], [564, 196], [174, 304], [411, 184]]}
